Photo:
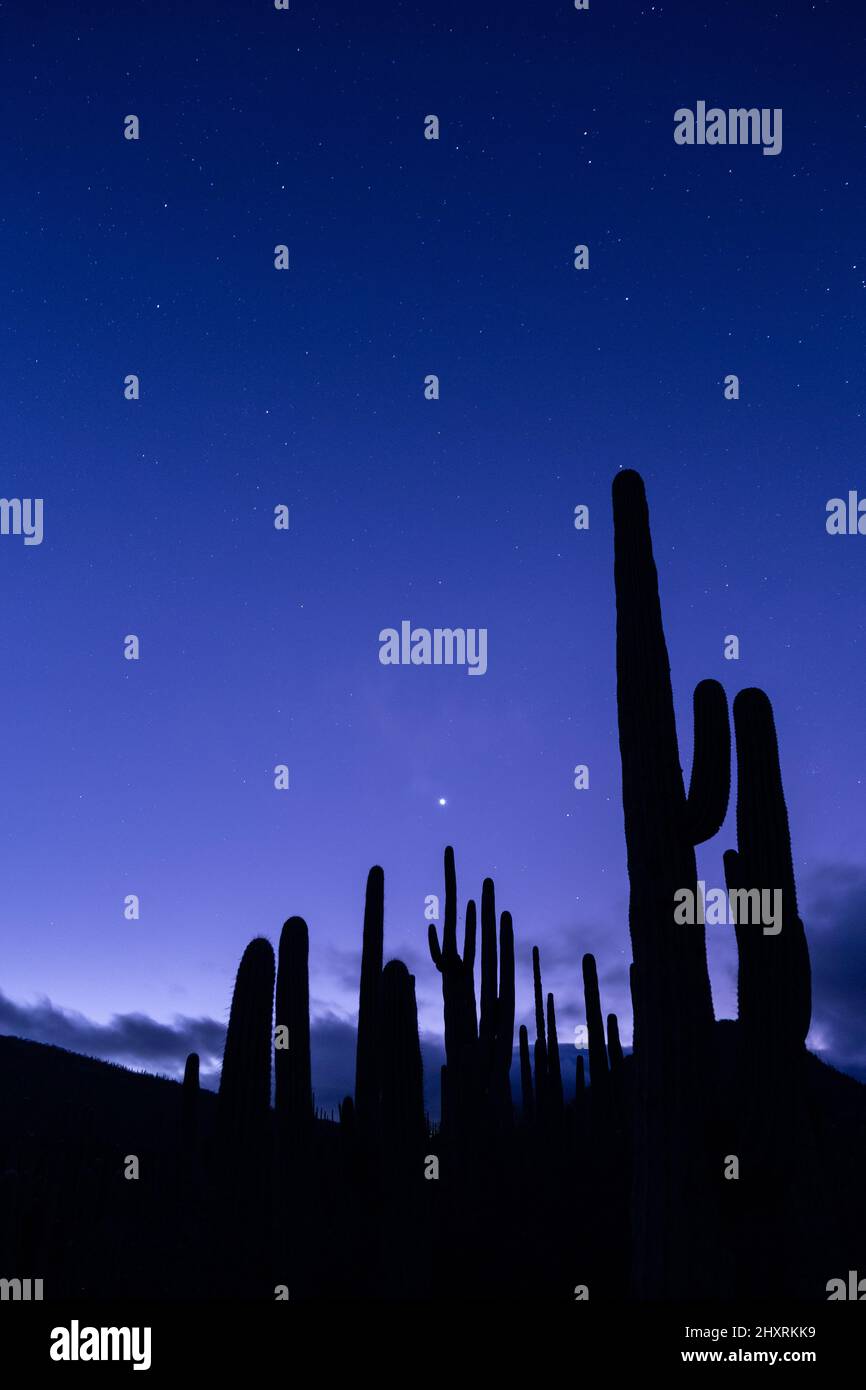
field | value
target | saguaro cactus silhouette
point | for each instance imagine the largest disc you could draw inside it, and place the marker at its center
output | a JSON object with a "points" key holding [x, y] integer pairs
{"points": [[599, 1078], [774, 979], [403, 1124], [554, 1066], [496, 1028], [673, 1004], [190, 1104], [458, 994], [540, 1049], [245, 1082], [774, 983], [293, 1088], [526, 1094], [368, 1079]]}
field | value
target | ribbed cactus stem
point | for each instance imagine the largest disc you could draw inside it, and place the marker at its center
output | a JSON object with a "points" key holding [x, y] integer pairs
{"points": [[526, 1094], [368, 1053], [496, 1027], [614, 1046], [540, 1048], [245, 1083], [189, 1122], [598, 1070], [632, 984], [503, 1050], [403, 1123], [293, 1089], [538, 994], [710, 785], [458, 996], [774, 983], [487, 1026], [675, 1058], [554, 1068]]}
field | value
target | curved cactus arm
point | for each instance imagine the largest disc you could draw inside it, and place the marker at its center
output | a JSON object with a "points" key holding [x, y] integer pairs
{"points": [[448, 955], [734, 877], [458, 994], [433, 941], [710, 784]]}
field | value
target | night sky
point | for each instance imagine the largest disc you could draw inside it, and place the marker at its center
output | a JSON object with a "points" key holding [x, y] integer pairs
{"points": [[306, 388]]}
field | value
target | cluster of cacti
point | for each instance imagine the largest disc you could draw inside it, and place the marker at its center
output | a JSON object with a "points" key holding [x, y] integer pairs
{"points": [[649, 1113], [269, 1191]]}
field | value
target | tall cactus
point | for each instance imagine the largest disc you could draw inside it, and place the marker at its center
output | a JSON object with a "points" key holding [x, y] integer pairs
{"points": [[503, 1049], [526, 1093], [294, 1089], [673, 1003], [190, 1105], [599, 1078], [554, 1066], [458, 994], [496, 1028], [368, 1055], [403, 1123], [487, 1026], [633, 991], [244, 1101], [579, 1077], [614, 1046], [774, 981], [618, 1083], [540, 1050], [774, 990]]}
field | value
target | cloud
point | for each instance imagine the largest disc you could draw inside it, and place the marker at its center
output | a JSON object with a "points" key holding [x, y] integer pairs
{"points": [[131, 1039], [834, 912], [135, 1040]]}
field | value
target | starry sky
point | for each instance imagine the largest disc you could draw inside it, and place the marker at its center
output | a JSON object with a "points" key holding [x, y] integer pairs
{"points": [[305, 388]]}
